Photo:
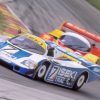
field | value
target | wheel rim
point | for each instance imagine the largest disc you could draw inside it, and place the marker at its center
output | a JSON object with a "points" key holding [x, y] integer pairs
{"points": [[42, 71], [81, 80]]}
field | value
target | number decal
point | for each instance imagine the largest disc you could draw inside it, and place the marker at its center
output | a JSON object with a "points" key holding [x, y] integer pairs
{"points": [[53, 73]]}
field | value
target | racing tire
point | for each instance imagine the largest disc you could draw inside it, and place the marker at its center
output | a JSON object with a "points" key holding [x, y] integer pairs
{"points": [[41, 72], [79, 82]]}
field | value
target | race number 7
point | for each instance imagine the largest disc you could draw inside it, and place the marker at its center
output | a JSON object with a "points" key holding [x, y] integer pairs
{"points": [[53, 73]]}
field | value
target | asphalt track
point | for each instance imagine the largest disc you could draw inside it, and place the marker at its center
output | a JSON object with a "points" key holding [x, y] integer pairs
{"points": [[45, 15]]}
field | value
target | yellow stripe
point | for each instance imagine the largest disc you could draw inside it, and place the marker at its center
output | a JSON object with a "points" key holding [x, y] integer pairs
{"points": [[71, 58], [91, 57], [37, 40]]}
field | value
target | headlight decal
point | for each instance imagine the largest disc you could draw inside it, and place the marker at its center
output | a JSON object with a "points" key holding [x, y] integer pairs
{"points": [[29, 63]]}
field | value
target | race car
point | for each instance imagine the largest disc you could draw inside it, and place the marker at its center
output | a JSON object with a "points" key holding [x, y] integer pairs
{"points": [[75, 41], [33, 57]]}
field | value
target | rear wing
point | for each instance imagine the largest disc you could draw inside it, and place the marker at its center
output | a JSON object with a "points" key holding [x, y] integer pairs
{"points": [[80, 31]]}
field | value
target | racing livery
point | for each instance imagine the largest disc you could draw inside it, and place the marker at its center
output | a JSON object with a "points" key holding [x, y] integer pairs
{"points": [[75, 41], [31, 56]]}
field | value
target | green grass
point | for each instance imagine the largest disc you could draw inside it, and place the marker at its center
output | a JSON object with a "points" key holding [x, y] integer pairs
{"points": [[95, 3]]}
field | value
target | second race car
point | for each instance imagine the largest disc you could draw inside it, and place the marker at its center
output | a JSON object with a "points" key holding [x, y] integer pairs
{"points": [[74, 41]]}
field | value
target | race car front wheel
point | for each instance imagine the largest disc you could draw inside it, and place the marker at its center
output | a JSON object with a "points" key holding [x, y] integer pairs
{"points": [[41, 72], [79, 82]]}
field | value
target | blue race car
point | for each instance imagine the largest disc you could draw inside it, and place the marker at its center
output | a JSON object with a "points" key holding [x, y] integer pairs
{"points": [[31, 56]]}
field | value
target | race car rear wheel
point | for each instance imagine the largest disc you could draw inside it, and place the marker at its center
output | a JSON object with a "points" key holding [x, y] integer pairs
{"points": [[80, 81]]}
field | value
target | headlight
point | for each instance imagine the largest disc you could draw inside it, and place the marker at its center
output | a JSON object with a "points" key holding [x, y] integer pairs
{"points": [[29, 63]]}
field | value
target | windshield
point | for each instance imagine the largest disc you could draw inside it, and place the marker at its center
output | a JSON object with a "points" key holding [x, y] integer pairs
{"points": [[74, 43], [27, 44]]}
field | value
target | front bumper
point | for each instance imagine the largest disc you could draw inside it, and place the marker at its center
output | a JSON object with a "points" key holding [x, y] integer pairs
{"points": [[17, 68]]}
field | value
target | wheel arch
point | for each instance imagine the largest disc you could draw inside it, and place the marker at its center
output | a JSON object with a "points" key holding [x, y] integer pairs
{"points": [[75, 87], [45, 62]]}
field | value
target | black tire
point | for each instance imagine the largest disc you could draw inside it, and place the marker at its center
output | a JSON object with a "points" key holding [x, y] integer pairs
{"points": [[41, 72], [79, 82]]}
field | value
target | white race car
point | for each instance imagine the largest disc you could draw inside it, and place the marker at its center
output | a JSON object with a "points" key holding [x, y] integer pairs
{"points": [[29, 55]]}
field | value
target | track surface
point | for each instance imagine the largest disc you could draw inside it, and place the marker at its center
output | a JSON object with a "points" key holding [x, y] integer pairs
{"points": [[45, 15]]}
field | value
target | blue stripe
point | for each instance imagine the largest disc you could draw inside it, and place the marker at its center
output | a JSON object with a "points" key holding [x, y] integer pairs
{"points": [[21, 54], [3, 44]]}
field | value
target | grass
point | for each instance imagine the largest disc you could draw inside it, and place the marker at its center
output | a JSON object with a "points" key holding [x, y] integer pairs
{"points": [[95, 3]]}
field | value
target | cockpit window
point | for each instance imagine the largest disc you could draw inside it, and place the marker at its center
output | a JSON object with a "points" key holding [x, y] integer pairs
{"points": [[74, 43], [27, 44]]}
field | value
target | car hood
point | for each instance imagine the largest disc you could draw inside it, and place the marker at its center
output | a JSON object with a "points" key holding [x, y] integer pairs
{"points": [[13, 53]]}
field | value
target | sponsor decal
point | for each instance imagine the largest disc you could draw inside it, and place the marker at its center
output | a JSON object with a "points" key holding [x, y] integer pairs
{"points": [[62, 75], [66, 76], [53, 73], [63, 72]]}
